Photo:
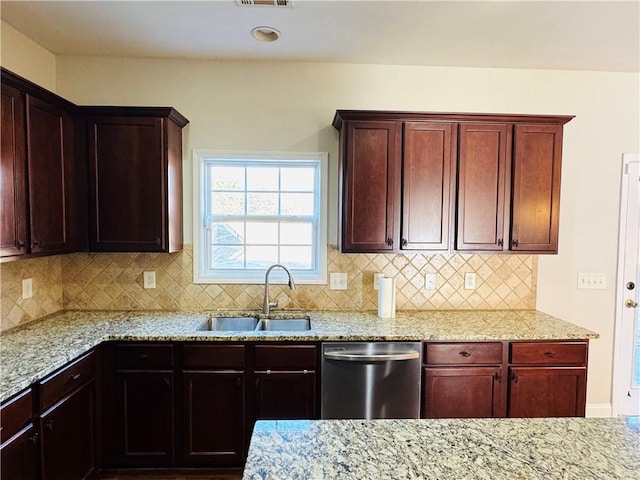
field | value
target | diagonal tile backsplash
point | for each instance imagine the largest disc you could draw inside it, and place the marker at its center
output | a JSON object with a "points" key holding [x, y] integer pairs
{"points": [[113, 281]]}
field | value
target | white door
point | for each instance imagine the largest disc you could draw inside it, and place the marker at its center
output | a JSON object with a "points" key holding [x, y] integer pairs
{"points": [[626, 380]]}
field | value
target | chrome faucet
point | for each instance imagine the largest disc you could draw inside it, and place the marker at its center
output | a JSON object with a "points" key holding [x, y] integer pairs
{"points": [[266, 304]]}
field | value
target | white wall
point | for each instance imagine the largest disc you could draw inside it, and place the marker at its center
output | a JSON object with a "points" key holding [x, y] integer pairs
{"points": [[24, 57], [287, 106]]}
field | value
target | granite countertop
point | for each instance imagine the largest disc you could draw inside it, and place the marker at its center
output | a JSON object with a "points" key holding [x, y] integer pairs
{"points": [[491, 449], [31, 352]]}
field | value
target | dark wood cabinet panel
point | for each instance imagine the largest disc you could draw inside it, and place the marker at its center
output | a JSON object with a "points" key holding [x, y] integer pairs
{"points": [[462, 392], [68, 437], [135, 179], [19, 456], [536, 188], [549, 353], [14, 217], [285, 395], [145, 416], [370, 173], [428, 164], [547, 391], [214, 416], [50, 160], [484, 169], [463, 353]]}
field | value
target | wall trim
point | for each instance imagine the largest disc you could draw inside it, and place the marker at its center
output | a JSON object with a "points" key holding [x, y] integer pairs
{"points": [[598, 410]]}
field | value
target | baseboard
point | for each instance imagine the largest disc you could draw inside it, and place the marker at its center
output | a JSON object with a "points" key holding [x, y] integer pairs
{"points": [[598, 410]]}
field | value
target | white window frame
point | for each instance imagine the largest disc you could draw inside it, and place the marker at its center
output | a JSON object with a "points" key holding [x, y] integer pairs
{"points": [[200, 274]]}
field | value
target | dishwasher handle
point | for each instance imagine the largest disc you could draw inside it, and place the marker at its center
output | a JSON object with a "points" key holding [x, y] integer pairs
{"points": [[363, 357]]}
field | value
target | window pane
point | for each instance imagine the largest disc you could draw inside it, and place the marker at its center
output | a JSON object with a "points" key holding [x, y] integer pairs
{"points": [[298, 179], [296, 257], [261, 257], [262, 178], [296, 233], [227, 257], [227, 203], [230, 233], [262, 204], [261, 233], [227, 178], [296, 204]]}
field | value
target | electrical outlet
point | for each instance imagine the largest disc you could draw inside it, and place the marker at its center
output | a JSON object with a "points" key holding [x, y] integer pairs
{"points": [[592, 281], [27, 288], [469, 281], [430, 281], [376, 276], [338, 281], [149, 280]]}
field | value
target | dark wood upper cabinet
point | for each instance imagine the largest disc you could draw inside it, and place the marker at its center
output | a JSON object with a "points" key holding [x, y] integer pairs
{"points": [[536, 188], [370, 173], [428, 164], [13, 202], [135, 179], [39, 171], [483, 186], [470, 182]]}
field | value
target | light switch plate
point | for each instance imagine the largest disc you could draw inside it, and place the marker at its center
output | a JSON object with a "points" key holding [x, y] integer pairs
{"points": [[338, 281], [430, 281], [376, 276], [469, 281], [27, 288], [149, 280], [592, 281]]}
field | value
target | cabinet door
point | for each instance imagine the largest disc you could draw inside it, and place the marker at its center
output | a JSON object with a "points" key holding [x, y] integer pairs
{"points": [[68, 437], [127, 184], [13, 174], [213, 418], [18, 457], [145, 418], [371, 187], [547, 391], [462, 392], [50, 154], [285, 395], [427, 185], [483, 189], [536, 188]]}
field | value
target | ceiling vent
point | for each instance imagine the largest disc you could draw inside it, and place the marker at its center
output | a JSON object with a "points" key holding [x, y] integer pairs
{"points": [[263, 3]]}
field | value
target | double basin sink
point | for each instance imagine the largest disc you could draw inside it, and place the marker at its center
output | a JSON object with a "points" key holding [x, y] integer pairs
{"points": [[255, 324]]}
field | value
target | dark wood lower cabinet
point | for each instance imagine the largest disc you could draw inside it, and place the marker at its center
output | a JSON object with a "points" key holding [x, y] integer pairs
{"points": [[68, 437], [285, 395], [214, 414], [145, 418], [462, 392], [547, 391], [19, 456]]}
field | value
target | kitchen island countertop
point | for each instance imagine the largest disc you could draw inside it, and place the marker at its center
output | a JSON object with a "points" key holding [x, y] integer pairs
{"points": [[31, 352], [491, 449]]}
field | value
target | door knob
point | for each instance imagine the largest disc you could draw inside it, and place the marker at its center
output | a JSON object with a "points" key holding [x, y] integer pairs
{"points": [[630, 304]]}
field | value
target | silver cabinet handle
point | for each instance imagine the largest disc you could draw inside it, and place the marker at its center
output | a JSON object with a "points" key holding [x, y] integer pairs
{"points": [[360, 357]]}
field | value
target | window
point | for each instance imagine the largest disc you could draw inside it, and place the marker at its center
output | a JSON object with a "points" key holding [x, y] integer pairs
{"points": [[252, 210]]}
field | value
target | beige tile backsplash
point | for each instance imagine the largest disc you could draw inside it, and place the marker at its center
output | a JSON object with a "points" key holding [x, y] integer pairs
{"points": [[113, 281]]}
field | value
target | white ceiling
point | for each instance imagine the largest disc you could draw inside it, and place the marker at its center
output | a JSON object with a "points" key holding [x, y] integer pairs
{"points": [[575, 35]]}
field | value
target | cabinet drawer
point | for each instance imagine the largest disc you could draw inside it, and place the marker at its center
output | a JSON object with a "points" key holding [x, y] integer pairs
{"points": [[285, 357], [56, 386], [15, 414], [144, 357], [462, 353], [549, 353], [213, 356]]}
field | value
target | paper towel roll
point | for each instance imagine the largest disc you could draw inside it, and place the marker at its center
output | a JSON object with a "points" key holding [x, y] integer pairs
{"points": [[386, 297]]}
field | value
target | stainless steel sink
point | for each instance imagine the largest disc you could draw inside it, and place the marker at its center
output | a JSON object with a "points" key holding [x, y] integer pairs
{"points": [[284, 324], [233, 324]]}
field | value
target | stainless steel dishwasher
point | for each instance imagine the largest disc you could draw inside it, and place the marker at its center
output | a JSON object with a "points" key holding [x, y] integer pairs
{"points": [[370, 380]]}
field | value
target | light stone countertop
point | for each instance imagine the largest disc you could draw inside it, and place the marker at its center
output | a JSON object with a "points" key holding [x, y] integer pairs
{"points": [[30, 353], [490, 449]]}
